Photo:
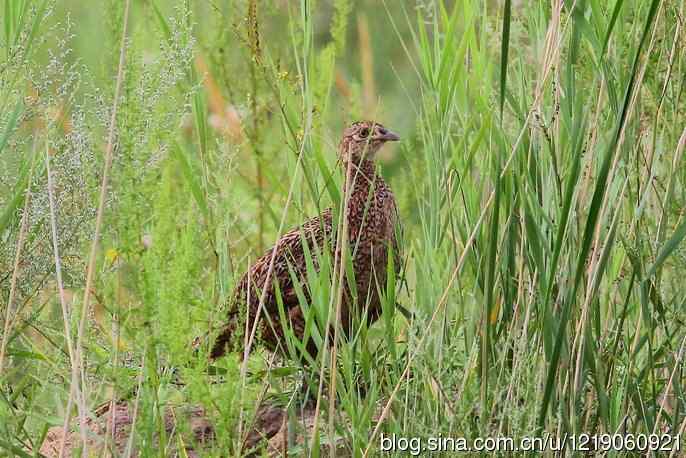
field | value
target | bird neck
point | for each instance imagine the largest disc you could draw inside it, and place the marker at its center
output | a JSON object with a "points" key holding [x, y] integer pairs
{"points": [[362, 175], [364, 183]]}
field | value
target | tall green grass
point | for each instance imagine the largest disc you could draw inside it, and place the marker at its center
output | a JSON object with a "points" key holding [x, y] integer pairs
{"points": [[540, 183]]}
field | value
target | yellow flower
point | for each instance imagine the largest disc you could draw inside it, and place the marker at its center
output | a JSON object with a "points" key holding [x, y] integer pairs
{"points": [[111, 255]]}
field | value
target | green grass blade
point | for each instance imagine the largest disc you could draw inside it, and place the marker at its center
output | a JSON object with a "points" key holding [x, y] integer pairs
{"points": [[191, 176], [613, 20], [504, 49], [668, 248], [11, 124]]}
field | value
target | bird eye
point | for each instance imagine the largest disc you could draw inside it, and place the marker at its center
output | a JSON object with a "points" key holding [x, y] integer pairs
{"points": [[364, 133]]}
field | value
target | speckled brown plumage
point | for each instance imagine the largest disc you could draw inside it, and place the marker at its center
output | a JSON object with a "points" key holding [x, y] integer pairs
{"points": [[372, 219]]}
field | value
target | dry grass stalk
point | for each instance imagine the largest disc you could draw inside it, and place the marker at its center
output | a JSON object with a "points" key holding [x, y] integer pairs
{"points": [[9, 319], [367, 63], [224, 116], [79, 367], [61, 292], [270, 270]]}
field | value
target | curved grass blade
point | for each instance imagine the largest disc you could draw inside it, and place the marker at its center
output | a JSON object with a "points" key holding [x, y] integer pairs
{"points": [[668, 248]]}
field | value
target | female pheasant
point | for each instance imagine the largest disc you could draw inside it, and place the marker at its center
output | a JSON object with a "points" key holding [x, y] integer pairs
{"points": [[371, 225]]}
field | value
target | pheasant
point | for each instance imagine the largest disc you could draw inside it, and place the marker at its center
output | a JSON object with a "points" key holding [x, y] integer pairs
{"points": [[372, 218]]}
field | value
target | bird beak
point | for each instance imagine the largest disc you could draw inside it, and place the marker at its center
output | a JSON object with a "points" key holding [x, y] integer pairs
{"points": [[388, 136]]}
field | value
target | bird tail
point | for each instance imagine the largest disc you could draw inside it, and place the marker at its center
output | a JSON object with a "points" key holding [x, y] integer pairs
{"points": [[228, 339]]}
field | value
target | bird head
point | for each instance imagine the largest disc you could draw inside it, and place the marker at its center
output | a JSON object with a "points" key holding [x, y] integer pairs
{"points": [[363, 139]]}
